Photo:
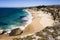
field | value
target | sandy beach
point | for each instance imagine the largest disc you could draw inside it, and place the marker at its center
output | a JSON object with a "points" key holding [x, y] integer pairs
{"points": [[32, 28], [35, 26], [39, 22]]}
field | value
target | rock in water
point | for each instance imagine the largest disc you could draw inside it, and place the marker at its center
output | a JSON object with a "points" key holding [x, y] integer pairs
{"points": [[16, 31]]}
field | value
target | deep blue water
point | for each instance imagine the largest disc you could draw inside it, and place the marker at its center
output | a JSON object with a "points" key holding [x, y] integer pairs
{"points": [[11, 16]]}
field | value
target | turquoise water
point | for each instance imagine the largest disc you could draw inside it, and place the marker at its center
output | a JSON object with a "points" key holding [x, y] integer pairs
{"points": [[11, 16]]}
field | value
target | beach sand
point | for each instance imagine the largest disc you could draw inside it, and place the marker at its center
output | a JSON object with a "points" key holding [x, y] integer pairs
{"points": [[35, 26], [32, 28]]}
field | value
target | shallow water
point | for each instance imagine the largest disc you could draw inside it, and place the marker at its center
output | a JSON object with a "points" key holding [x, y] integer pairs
{"points": [[12, 16]]}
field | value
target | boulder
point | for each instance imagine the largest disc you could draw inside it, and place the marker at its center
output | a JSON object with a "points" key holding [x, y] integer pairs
{"points": [[15, 32]]}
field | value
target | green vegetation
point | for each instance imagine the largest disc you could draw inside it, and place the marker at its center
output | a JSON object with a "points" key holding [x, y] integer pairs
{"points": [[17, 39]]}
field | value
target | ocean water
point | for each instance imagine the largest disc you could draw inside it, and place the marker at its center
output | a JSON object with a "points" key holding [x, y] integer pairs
{"points": [[12, 17]]}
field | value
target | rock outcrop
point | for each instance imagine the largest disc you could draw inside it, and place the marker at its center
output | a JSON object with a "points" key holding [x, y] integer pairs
{"points": [[15, 32]]}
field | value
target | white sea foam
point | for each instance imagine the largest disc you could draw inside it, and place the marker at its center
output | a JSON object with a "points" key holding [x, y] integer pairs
{"points": [[28, 18]]}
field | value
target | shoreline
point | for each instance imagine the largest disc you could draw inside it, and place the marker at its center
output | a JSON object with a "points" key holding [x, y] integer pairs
{"points": [[6, 35], [29, 16]]}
